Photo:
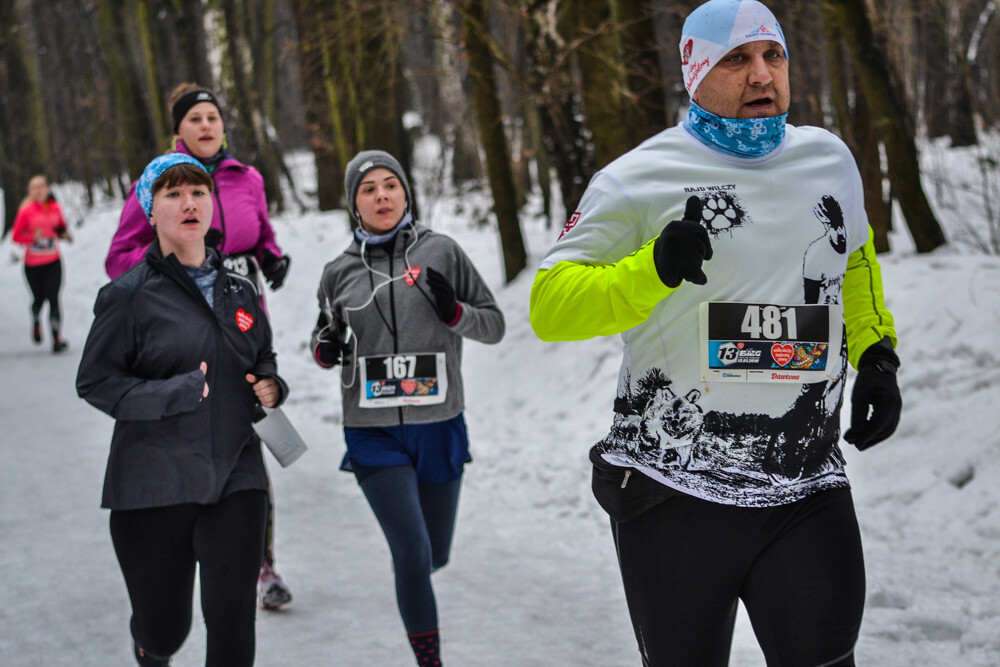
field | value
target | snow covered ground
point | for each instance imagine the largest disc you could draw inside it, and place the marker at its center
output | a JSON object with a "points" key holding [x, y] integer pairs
{"points": [[533, 580]]}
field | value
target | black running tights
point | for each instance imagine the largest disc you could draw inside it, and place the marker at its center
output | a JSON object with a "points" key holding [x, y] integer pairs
{"points": [[798, 569], [158, 550], [45, 281]]}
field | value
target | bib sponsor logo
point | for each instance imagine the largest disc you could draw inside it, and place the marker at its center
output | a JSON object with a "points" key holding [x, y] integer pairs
{"points": [[785, 376], [411, 275], [782, 354], [408, 386], [570, 224], [244, 320]]}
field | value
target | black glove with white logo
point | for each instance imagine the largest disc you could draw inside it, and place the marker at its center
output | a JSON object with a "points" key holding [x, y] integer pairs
{"points": [[275, 269], [444, 295], [681, 248], [875, 388]]}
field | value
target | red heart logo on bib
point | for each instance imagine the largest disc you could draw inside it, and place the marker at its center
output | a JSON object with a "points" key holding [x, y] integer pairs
{"points": [[782, 354], [408, 386], [411, 275]]}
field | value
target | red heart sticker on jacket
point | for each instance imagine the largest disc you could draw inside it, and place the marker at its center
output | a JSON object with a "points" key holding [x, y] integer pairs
{"points": [[244, 320], [411, 275], [782, 354]]}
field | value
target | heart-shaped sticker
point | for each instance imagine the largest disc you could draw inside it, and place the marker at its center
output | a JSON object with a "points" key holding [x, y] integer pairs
{"points": [[782, 354], [244, 320], [411, 275]]}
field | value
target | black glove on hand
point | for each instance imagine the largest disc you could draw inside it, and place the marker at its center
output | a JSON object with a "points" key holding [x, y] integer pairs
{"points": [[681, 248], [330, 353], [875, 387], [213, 238], [275, 269], [444, 295]]}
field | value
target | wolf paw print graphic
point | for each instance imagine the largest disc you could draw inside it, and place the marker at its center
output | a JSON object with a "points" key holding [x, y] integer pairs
{"points": [[722, 212]]}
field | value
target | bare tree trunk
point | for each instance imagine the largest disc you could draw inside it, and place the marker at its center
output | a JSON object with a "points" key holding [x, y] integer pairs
{"points": [[22, 153], [644, 75], [858, 132], [317, 61], [247, 102], [486, 106], [136, 137], [459, 132], [150, 55], [548, 32], [890, 115], [534, 138], [609, 113]]}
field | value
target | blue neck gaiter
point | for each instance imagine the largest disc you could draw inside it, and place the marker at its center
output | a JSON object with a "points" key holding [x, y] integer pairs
{"points": [[366, 237], [741, 137]]}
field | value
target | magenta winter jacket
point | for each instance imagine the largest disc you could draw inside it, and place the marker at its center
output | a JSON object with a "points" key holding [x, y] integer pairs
{"points": [[240, 214]]}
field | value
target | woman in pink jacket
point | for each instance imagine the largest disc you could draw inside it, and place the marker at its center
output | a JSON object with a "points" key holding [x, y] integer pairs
{"points": [[38, 226], [240, 230]]}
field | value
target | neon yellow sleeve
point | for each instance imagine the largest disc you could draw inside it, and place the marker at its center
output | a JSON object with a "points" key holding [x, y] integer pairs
{"points": [[867, 319], [578, 301]]}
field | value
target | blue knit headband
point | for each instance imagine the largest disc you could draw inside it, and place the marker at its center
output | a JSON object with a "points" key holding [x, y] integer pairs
{"points": [[153, 171]]}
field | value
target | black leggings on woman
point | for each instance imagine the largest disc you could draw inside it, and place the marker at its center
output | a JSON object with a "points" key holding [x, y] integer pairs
{"points": [[158, 549], [798, 568], [45, 280], [418, 521]]}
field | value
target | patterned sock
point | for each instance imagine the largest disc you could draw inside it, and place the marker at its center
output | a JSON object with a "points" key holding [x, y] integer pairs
{"points": [[427, 648]]}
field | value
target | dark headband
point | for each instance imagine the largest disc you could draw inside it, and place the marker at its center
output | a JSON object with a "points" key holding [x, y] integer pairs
{"points": [[188, 100]]}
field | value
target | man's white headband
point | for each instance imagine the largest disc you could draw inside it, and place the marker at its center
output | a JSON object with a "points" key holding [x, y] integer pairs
{"points": [[719, 26]]}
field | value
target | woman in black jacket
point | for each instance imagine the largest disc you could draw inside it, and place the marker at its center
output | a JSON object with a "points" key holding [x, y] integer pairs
{"points": [[180, 355]]}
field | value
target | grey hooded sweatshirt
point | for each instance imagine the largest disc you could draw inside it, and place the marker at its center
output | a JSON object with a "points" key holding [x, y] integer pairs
{"points": [[384, 299]]}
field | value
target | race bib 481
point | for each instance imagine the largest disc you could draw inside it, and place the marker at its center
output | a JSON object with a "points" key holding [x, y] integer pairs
{"points": [[765, 342]]}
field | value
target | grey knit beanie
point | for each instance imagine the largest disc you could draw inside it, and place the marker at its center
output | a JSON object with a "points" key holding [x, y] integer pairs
{"points": [[360, 165]]}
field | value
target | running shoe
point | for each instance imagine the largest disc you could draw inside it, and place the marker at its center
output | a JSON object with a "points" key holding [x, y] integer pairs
{"points": [[271, 590]]}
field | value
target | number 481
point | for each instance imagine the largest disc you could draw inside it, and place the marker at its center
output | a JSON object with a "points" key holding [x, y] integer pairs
{"points": [[767, 322]]}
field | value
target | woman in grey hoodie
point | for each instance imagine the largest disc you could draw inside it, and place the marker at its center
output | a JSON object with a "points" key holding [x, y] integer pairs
{"points": [[395, 306]]}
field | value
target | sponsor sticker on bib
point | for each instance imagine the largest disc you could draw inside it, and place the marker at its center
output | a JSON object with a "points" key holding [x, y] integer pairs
{"points": [[765, 342], [403, 379]]}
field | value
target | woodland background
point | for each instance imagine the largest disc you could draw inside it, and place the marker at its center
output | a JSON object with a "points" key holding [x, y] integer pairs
{"points": [[524, 95]]}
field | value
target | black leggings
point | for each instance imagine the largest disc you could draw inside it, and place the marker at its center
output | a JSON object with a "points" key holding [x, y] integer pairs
{"points": [[158, 549], [418, 521], [798, 568], [45, 280]]}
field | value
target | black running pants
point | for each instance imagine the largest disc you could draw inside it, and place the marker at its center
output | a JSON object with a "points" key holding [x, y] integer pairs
{"points": [[158, 550], [45, 280], [798, 569]]}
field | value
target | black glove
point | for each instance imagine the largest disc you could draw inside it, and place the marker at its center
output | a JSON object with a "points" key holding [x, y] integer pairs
{"points": [[330, 353], [213, 238], [275, 269], [444, 295], [876, 387], [681, 248]]}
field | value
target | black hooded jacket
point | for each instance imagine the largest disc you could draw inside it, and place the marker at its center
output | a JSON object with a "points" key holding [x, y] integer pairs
{"points": [[141, 365]]}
